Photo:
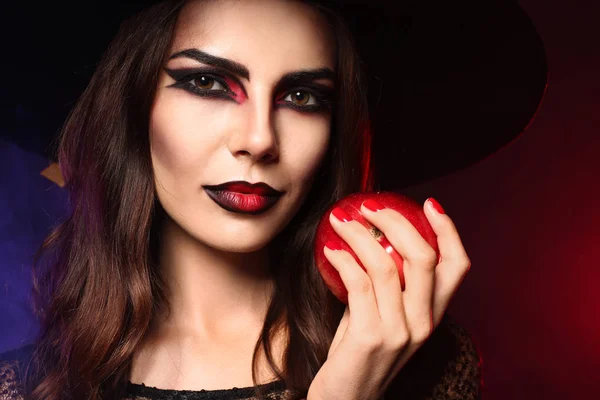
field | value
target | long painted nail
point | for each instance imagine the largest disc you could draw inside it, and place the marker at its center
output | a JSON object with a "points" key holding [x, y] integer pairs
{"points": [[436, 206], [333, 245], [341, 214], [373, 205]]}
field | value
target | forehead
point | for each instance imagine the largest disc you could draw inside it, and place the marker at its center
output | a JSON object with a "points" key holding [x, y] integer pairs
{"points": [[268, 35]]}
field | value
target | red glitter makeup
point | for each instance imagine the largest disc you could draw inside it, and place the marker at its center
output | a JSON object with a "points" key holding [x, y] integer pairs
{"points": [[240, 96]]}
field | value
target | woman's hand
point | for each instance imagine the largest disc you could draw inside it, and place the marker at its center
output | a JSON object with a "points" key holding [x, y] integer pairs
{"points": [[384, 326]]}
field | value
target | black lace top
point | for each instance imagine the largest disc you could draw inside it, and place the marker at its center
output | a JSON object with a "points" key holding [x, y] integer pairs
{"points": [[274, 391], [447, 367]]}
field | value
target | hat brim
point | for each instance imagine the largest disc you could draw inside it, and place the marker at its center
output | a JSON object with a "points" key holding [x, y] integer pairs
{"points": [[450, 83]]}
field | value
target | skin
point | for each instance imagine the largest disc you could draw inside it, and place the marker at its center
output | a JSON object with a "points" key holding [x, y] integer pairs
{"points": [[214, 261]]}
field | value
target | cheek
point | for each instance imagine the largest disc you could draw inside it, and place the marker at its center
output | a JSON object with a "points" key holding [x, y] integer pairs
{"points": [[176, 142], [173, 151], [167, 152], [306, 149]]}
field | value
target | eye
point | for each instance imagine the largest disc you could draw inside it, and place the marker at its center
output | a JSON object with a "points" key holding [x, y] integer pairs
{"points": [[302, 97], [206, 82]]}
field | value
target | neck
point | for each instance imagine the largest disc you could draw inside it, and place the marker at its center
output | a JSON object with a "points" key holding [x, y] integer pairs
{"points": [[212, 292]]}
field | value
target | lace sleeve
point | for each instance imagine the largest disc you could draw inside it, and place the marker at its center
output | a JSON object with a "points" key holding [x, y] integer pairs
{"points": [[9, 382], [447, 367]]}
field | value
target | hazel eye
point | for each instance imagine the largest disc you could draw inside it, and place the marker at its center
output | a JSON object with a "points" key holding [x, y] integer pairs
{"points": [[205, 82], [302, 96]]}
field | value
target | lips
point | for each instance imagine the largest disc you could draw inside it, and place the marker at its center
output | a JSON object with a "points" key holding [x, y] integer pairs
{"points": [[243, 197], [260, 188]]}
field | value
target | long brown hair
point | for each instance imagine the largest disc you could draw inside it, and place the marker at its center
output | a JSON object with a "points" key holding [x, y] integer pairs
{"points": [[98, 289]]}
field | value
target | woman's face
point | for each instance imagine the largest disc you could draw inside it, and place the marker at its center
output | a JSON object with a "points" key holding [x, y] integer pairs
{"points": [[255, 128]]}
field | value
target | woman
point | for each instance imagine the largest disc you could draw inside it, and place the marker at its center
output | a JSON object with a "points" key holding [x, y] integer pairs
{"points": [[157, 286]]}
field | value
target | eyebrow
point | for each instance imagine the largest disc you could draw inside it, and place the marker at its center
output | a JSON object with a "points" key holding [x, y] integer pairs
{"points": [[292, 78]]}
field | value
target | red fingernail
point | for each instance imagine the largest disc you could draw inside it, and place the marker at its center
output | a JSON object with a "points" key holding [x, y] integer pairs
{"points": [[437, 207], [333, 245], [341, 214], [373, 205]]}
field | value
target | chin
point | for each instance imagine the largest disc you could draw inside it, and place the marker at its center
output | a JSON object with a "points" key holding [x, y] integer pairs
{"points": [[234, 237], [247, 247]]}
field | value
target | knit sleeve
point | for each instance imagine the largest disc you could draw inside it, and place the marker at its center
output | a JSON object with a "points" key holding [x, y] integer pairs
{"points": [[447, 367]]}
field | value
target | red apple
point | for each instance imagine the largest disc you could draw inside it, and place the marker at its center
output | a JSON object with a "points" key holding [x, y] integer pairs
{"points": [[409, 208]]}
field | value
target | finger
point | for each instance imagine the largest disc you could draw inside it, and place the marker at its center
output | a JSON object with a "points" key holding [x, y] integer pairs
{"points": [[454, 263], [380, 267], [363, 314], [419, 263]]}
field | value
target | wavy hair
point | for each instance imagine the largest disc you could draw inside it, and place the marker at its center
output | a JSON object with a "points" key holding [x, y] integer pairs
{"points": [[96, 286]]}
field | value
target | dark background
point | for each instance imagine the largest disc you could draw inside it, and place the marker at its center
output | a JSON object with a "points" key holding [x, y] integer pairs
{"points": [[530, 221], [528, 217]]}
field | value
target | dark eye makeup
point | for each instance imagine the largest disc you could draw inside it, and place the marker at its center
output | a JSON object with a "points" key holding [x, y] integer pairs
{"points": [[184, 77]]}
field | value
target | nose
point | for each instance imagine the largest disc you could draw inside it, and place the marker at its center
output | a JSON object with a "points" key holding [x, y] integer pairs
{"points": [[256, 137]]}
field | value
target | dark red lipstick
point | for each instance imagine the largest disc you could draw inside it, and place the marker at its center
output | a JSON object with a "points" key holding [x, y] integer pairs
{"points": [[243, 197]]}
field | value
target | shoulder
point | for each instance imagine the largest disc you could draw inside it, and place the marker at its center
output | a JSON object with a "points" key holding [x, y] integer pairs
{"points": [[12, 364], [448, 366]]}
